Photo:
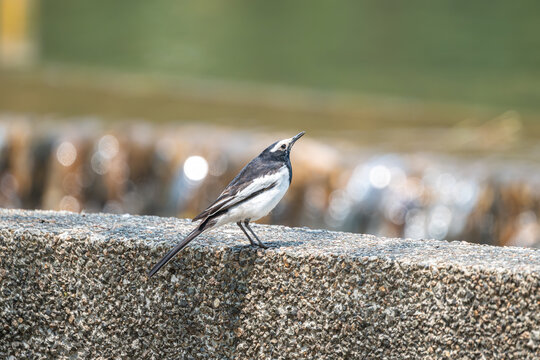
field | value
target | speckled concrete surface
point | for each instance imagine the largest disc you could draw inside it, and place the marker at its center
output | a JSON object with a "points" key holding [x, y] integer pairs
{"points": [[74, 287]]}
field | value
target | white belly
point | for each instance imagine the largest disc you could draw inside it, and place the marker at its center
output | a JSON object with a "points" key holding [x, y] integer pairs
{"points": [[260, 205]]}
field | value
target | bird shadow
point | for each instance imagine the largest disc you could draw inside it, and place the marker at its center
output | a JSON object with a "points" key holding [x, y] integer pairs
{"points": [[271, 245], [229, 277]]}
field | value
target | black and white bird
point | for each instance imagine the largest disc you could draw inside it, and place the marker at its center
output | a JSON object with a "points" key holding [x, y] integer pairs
{"points": [[252, 194]]}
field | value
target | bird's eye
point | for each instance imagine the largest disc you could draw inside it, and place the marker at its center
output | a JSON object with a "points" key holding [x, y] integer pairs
{"points": [[283, 146]]}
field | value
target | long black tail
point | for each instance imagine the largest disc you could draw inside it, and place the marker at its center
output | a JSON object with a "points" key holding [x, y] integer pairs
{"points": [[192, 235]]}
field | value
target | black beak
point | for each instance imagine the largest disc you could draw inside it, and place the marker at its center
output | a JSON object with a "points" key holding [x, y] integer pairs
{"points": [[296, 137]]}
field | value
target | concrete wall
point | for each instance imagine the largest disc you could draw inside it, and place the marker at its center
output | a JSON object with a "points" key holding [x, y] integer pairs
{"points": [[74, 286]]}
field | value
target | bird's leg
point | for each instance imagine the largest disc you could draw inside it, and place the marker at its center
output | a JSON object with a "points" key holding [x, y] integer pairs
{"points": [[253, 243], [246, 223]]}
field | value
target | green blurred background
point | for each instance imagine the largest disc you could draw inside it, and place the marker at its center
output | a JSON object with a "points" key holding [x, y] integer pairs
{"points": [[455, 53], [475, 52]]}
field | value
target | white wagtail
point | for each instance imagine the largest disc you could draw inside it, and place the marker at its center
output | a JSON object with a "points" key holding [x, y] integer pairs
{"points": [[252, 194]]}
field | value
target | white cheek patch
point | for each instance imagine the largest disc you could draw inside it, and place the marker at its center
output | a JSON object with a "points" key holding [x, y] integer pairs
{"points": [[278, 145]]}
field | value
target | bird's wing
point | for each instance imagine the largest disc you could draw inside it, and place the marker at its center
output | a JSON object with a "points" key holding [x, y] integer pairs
{"points": [[223, 200], [243, 187]]}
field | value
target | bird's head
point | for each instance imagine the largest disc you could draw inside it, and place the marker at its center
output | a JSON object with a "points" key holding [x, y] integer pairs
{"points": [[282, 149]]}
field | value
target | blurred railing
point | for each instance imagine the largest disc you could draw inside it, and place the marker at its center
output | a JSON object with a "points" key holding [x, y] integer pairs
{"points": [[138, 168]]}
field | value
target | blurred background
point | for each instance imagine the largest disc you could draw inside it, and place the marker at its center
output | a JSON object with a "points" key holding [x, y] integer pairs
{"points": [[422, 118]]}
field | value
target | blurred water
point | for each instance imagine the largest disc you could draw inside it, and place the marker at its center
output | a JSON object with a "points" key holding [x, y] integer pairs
{"points": [[177, 170]]}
